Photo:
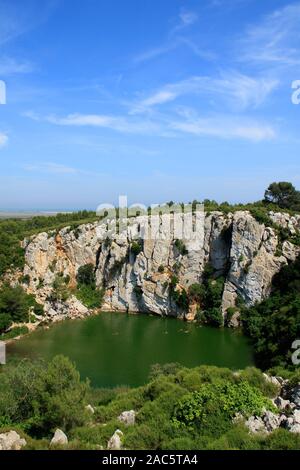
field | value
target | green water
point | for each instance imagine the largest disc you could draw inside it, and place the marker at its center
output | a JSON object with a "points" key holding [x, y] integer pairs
{"points": [[118, 349]]}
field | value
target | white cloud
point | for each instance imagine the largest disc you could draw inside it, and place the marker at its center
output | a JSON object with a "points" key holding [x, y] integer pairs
{"points": [[50, 167], [275, 39], [123, 124], [188, 17], [226, 127], [185, 20], [166, 125], [240, 91], [163, 96], [155, 52], [3, 139]]}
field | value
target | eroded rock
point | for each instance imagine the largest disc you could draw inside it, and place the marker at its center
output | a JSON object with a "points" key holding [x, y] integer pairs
{"points": [[11, 441], [127, 417], [59, 438], [115, 442]]}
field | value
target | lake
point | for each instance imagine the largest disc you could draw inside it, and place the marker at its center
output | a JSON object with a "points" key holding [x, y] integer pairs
{"points": [[114, 349]]}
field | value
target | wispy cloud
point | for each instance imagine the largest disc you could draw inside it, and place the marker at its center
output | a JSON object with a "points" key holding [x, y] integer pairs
{"points": [[3, 139], [226, 127], [275, 39], [186, 18], [17, 18], [240, 91], [155, 52], [50, 167], [11, 66], [177, 39], [220, 126], [123, 124]]}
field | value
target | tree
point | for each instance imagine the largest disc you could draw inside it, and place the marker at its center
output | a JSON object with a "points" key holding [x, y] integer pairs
{"points": [[86, 275], [42, 397], [15, 304], [283, 194], [5, 322]]}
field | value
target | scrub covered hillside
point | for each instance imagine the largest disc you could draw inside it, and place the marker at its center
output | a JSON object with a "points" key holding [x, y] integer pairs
{"points": [[179, 408]]}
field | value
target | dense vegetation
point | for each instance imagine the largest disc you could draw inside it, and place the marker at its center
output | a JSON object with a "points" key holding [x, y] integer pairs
{"points": [[208, 296], [16, 307], [274, 324], [38, 396], [283, 194], [178, 408], [87, 292]]}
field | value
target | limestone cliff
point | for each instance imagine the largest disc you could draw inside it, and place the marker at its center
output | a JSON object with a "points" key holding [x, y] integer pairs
{"points": [[246, 252]]}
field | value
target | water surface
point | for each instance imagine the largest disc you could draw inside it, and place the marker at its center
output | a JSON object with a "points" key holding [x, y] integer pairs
{"points": [[118, 349]]}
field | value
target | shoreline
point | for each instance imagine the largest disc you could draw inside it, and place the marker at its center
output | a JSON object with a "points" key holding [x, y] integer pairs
{"points": [[45, 324]]}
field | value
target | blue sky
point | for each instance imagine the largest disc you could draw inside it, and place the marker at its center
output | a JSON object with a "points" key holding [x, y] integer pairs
{"points": [[158, 100]]}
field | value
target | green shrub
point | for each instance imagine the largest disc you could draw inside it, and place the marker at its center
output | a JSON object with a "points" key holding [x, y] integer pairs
{"points": [[15, 306], [91, 297], [256, 379], [86, 275], [42, 397], [5, 321], [219, 402], [60, 291], [281, 439], [163, 369], [274, 324], [14, 332], [136, 247], [181, 247]]}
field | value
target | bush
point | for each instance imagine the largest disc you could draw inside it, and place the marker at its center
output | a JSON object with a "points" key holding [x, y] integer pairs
{"points": [[43, 397], [15, 306], [166, 369], [208, 296], [86, 275], [60, 290], [14, 332], [136, 247], [5, 321], [181, 247], [274, 324], [90, 297], [219, 402]]}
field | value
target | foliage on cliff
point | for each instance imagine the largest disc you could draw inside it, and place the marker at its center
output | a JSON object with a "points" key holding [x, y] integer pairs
{"points": [[87, 291]]}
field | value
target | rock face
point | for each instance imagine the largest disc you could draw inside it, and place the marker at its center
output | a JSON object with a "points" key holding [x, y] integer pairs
{"points": [[115, 442], [59, 438], [248, 254], [11, 441]]}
